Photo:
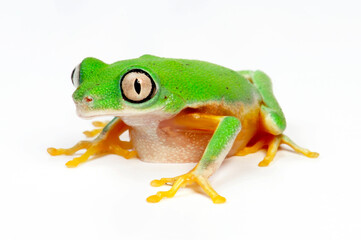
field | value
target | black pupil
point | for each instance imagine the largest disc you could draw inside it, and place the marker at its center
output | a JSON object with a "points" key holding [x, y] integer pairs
{"points": [[137, 86]]}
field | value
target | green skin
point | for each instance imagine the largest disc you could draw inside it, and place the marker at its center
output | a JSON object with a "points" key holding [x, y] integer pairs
{"points": [[180, 84]]}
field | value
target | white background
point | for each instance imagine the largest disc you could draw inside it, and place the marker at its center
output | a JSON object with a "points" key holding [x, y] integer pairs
{"points": [[311, 49]]}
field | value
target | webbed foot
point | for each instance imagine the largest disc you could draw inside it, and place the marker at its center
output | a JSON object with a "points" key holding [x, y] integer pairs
{"points": [[94, 148], [107, 142], [272, 144], [183, 181]]}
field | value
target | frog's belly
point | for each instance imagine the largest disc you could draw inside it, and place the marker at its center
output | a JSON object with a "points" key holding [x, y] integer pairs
{"points": [[169, 146]]}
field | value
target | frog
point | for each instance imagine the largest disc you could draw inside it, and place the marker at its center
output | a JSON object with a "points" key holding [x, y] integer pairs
{"points": [[177, 111]]}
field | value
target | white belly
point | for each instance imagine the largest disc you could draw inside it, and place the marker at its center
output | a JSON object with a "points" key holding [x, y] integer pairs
{"points": [[168, 145]]}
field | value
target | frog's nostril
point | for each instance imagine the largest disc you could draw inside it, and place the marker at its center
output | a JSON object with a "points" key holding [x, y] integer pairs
{"points": [[88, 99]]}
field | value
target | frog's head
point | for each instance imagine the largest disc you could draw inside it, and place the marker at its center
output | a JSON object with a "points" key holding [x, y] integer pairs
{"points": [[125, 88]]}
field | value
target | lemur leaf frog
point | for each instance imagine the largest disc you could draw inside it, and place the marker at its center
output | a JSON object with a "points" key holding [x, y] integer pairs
{"points": [[178, 111]]}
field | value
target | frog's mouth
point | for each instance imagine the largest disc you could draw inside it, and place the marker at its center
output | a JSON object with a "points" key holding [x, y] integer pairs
{"points": [[88, 111]]}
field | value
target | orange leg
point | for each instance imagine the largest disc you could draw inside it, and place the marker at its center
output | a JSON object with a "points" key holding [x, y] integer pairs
{"points": [[271, 152], [272, 143], [69, 151], [106, 142], [286, 140]]}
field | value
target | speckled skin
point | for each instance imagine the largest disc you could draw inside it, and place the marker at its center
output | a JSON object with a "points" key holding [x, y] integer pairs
{"points": [[197, 112], [180, 82]]}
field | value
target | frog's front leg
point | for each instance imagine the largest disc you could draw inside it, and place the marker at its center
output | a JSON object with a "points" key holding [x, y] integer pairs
{"points": [[107, 142], [226, 130]]}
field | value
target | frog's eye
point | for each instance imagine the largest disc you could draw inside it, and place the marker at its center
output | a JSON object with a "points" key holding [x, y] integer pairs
{"points": [[75, 76], [137, 86]]}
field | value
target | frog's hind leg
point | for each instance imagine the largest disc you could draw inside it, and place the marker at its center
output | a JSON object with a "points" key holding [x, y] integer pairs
{"points": [[272, 117], [273, 121]]}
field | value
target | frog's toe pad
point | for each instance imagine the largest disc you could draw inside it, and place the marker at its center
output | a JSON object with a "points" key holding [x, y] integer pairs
{"points": [[312, 154], [100, 124], [153, 199], [163, 181], [157, 183], [264, 163], [53, 151], [58, 151], [218, 199], [92, 133], [73, 163]]}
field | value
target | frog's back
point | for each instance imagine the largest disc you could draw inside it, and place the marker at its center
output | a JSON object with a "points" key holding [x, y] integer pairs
{"points": [[200, 82]]}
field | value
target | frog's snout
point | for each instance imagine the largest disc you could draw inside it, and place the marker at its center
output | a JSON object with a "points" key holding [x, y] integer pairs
{"points": [[84, 105]]}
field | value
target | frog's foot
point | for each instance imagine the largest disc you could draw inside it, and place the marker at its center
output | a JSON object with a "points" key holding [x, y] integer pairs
{"points": [[274, 144], [286, 140], [99, 127], [69, 151], [96, 147], [182, 181]]}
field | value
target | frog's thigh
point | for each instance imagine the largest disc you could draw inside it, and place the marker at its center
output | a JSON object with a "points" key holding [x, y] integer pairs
{"points": [[272, 116], [193, 121]]}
